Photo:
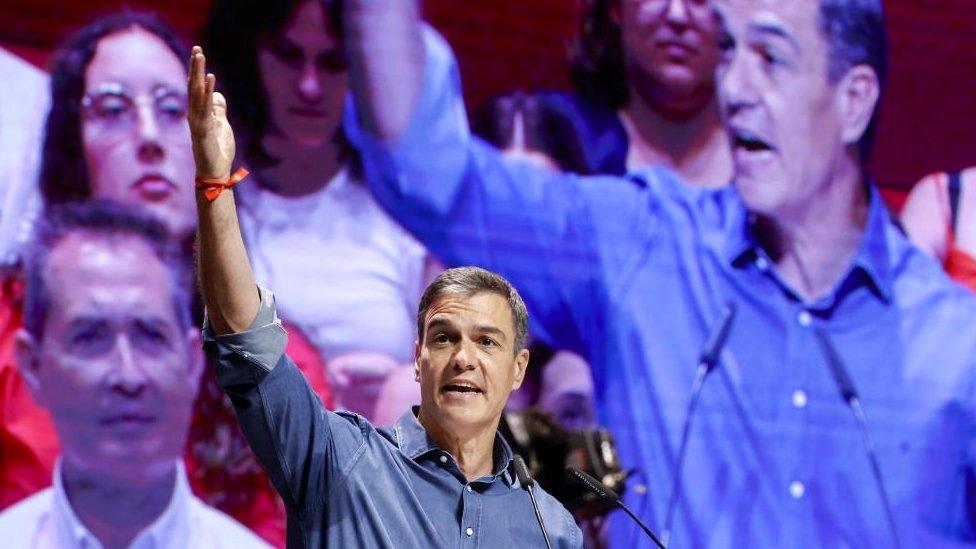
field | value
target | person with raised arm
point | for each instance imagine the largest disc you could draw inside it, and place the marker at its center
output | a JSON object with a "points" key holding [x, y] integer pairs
{"points": [[443, 476], [630, 273]]}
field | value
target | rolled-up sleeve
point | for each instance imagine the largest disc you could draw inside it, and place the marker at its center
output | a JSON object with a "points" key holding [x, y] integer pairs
{"points": [[245, 358], [301, 444]]}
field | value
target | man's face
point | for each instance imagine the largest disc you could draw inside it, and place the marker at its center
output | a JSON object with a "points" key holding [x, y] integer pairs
{"points": [[134, 130], [304, 75], [113, 366], [466, 363], [670, 44], [780, 108]]}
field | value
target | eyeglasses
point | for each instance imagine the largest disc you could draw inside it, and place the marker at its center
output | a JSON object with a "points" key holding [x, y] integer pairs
{"points": [[695, 8], [115, 110]]}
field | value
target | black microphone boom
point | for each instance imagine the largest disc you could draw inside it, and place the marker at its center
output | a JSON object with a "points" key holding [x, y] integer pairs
{"points": [[522, 472], [849, 394], [611, 497], [709, 358]]}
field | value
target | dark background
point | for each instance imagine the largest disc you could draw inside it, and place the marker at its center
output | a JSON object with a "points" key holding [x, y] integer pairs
{"points": [[928, 115]]}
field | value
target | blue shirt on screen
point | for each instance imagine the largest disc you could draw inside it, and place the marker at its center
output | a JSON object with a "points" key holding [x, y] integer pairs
{"points": [[346, 483], [630, 272]]}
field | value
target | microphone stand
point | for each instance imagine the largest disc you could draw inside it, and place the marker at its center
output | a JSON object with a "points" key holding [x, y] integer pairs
{"points": [[608, 495], [522, 472], [849, 394], [708, 360]]}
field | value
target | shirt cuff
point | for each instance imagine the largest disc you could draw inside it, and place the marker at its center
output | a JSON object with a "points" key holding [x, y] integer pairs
{"points": [[246, 357]]}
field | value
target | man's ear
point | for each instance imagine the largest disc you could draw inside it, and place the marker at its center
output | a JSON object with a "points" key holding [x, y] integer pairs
{"points": [[858, 93], [195, 359], [416, 361], [27, 352], [521, 365]]}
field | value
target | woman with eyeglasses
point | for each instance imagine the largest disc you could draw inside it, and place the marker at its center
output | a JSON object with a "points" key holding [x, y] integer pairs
{"points": [[117, 130], [343, 271]]}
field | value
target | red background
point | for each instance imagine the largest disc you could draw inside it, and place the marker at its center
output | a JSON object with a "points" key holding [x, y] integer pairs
{"points": [[928, 116]]}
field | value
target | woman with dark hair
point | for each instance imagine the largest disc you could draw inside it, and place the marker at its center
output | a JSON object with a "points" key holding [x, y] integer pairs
{"points": [[117, 130], [644, 73], [305, 204], [117, 126]]}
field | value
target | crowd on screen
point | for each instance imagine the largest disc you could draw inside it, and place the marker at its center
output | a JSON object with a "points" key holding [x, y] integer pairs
{"points": [[608, 206]]}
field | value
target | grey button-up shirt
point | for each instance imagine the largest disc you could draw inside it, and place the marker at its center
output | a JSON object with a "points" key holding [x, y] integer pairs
{"points": [[346, 483]]}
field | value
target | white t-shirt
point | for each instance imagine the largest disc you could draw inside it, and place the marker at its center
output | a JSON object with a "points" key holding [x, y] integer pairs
{"points": [[343, 271], [24, 100], [46, 520]]}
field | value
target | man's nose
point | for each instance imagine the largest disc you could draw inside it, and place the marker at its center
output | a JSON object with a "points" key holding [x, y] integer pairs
{"points": [[737, 86], [128, 376], [465, 357]]}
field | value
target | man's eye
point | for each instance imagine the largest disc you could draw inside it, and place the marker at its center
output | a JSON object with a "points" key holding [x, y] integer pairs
{"points": [[488, 342], [91, 341], [441, 338]]}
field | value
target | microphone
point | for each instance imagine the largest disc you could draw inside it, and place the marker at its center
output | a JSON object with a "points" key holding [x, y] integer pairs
{"points": [[849, 394], [611, 497], [706, 362], [522, 472]]}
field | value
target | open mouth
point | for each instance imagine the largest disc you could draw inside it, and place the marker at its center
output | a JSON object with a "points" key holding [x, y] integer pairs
{"points": [[463, 388], [749, 142]]}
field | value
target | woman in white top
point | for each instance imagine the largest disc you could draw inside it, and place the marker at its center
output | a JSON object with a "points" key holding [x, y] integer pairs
{"points": [[343, 271]]}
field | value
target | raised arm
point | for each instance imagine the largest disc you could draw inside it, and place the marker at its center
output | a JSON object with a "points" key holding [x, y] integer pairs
{"points": [[385, 45], [228, 286]]}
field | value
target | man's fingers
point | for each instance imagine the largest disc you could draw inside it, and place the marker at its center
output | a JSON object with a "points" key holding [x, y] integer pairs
{"points": [[197, 87], [219, 105]]}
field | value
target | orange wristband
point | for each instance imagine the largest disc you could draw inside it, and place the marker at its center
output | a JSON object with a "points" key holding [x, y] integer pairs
{"points": [[213, 187]]}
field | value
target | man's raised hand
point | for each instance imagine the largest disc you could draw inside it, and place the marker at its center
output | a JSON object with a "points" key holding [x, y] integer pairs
{"points": [[212, 136]]}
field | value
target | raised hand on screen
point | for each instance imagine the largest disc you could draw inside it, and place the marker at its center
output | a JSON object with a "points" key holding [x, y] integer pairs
{"points": [[213, 138]]}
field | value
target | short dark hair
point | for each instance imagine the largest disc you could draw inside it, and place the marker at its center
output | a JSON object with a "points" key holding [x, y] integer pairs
{"points": [[64, 172], [232, 37], [856, 35], [597, 68], [544, 128], [470, 281], [101, 219]]}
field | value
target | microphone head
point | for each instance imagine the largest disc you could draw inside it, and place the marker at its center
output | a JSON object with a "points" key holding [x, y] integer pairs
{"points": [[717, 336], [522, 472], [594, 485]]}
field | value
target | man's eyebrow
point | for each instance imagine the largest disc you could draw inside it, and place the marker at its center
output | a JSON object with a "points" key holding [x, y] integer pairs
{"points": [[438, 323], [489, 329], [773, 29]]}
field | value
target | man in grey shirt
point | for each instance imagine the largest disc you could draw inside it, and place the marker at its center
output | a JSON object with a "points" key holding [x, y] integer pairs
{"points": [[443, 477]]}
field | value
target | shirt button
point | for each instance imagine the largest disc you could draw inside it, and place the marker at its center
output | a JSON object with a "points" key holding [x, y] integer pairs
{"points": [[761, 263], [797, 489], [469, 487], [443, 459], [804, 318], [469, 531], [800, 398]]}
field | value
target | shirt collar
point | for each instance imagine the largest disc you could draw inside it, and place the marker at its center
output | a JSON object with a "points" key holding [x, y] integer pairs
{"points": [[172, 524], [414, 443], [873, 258]]}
